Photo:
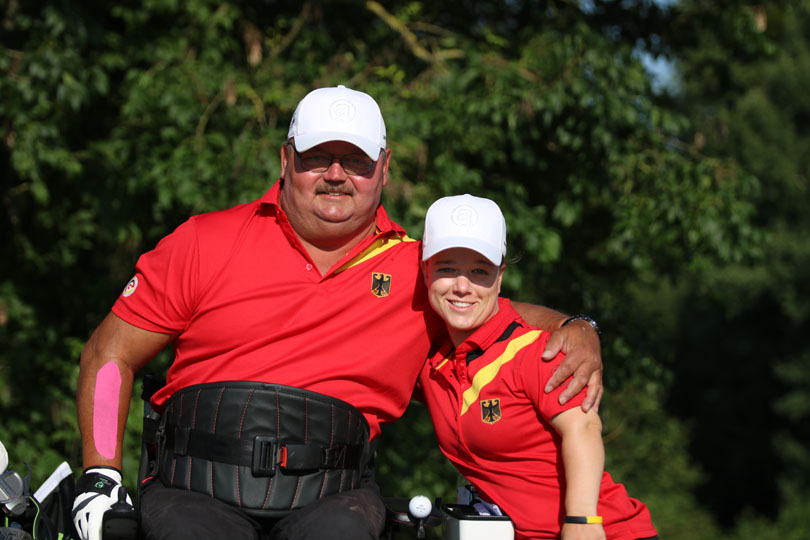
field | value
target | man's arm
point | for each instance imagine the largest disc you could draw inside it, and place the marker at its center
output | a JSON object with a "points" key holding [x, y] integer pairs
{"points": [[583, 353], [110, 359]]}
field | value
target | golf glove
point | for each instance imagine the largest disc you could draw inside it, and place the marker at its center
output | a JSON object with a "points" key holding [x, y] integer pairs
{"points": [[97, 490]]}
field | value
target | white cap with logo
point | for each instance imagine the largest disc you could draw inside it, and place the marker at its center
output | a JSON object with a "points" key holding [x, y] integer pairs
{"points": [[338, 114], [465, 221]]}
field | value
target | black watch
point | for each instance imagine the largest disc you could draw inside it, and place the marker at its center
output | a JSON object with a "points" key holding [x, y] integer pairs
{"points": [[585, 318]]}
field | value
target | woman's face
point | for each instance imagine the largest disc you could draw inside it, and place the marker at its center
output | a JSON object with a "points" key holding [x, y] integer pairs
{"points": [[463, 288]]}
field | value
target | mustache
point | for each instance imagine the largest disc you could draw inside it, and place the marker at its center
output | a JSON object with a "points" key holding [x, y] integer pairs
{"points": [[327, 188]]}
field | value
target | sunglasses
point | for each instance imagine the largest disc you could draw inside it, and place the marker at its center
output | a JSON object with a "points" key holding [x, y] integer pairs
{"points": [[352, 164]]}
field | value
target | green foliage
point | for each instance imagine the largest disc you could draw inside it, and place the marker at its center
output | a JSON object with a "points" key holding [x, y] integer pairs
{"points": [[672, 218], [790, 524], [413, 463], [744, 80], [646, 450]]}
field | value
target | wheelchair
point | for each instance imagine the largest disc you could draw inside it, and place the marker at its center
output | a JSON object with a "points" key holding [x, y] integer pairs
{"points": [[405, 517]]}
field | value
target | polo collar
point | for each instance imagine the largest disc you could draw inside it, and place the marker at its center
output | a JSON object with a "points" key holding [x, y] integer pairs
{"points": [[490, 332]]}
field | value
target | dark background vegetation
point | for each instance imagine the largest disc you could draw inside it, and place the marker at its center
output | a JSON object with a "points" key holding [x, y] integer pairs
{"points": [[675, 214]]}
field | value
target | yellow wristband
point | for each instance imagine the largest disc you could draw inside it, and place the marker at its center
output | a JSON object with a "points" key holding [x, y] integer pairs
{"points": [[583, 519]]}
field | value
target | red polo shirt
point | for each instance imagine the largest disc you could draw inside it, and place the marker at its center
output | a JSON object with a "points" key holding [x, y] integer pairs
{"points": [[247, 303], [492, 421]]}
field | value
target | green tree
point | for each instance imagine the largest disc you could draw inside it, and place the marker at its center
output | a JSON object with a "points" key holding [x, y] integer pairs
{"points": [[743, 79]]}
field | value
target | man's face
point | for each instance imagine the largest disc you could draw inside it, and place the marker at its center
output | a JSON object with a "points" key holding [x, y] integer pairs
{"points": [[331, 206]]}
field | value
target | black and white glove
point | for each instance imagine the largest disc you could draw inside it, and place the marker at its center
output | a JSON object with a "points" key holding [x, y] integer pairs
{"points": [[97, 490]]}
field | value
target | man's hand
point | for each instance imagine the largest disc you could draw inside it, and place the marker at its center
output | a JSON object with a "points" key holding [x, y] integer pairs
{"points": [[97, 490], [583, 358]]}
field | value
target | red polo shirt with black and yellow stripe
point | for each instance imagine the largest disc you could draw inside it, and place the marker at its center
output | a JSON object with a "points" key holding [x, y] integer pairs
{"points": [[492, 416], [247, 303]]}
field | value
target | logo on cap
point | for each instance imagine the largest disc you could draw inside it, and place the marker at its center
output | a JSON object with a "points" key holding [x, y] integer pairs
{"points": [[464, 216], [342, 110], [131, 286]]}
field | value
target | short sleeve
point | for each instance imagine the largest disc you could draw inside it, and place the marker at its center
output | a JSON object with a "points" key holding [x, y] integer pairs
{"points": [[160, 297], [535, 373]]}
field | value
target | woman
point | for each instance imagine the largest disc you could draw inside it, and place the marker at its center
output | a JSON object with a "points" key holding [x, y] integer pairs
{"points": [[538, 461]]}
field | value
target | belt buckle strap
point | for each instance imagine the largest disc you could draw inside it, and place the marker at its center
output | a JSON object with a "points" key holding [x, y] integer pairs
{"points": [[302, 457], [265, 455], [180, 438], [314, 456], [337, 457]]}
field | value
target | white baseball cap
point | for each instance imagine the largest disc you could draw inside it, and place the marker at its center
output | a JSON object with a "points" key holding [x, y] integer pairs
{"points": [[338, 114], [465, 221]]}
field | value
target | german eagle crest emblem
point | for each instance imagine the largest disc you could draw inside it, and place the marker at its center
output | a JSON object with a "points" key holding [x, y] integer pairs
{"points": [[380, 284], [490, 410]]}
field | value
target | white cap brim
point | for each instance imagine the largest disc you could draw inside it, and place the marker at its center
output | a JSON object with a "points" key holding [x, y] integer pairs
{"points": [[492, 254], [311, 140]]}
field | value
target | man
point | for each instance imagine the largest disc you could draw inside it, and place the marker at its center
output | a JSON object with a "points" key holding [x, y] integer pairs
{"points": [[314, 297]]}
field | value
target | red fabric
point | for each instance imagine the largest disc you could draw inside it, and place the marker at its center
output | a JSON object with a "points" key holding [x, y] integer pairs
{"points": [[514, 461], [247, 303]]}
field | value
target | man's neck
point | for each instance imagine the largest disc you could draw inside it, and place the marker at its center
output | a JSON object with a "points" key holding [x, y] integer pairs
{"points": [[327, 242], [325, 254]]}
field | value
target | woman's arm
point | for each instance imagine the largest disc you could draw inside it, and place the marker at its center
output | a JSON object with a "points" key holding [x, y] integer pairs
{"points": [[584, 460]]}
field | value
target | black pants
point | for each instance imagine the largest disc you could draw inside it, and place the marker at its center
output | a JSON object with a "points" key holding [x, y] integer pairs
{"points": [[170, 513]]}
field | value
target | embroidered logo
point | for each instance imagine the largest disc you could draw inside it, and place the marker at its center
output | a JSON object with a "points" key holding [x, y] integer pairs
{"points": [[490, 410], [464, 216], [342, 110], [380, 284], [131, 286]]}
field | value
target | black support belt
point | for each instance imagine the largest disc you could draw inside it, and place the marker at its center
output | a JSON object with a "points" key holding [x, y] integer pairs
{"points": [[267, 449], [262, 453]]}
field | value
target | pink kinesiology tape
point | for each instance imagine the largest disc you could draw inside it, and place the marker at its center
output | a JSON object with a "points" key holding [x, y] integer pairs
{"points": [[105, 409]]}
